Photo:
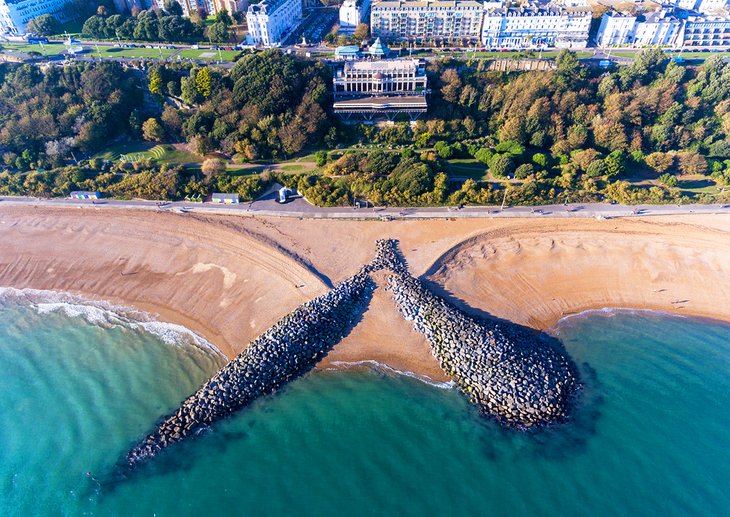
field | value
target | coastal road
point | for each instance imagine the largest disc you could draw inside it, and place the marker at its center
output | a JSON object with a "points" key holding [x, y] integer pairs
{"points": [[299, 208]]}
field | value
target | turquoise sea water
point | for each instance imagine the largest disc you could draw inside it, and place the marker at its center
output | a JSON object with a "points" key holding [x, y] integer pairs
{"points": [[79, 385]]}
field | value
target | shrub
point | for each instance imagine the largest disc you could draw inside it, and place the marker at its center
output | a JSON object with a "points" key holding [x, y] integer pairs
{"points": [[597, 168], [523, 171], [668, 180], [501, 165]]}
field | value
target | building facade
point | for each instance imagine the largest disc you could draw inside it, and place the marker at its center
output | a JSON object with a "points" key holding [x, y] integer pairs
{"points": [[189, 7], [659, 28], [416, 21], [271, 21], [14, 15], [615, 29], [382, 78], [353, 13], [231, 6], [536, 27], [703, 6], [664, 28], [380, 89], [705, 31]]}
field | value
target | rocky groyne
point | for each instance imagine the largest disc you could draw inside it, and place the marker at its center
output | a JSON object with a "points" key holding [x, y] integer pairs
{"points": [[508, 373], [285, 351]]}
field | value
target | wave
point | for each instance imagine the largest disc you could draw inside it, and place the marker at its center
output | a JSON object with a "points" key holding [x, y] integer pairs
{"points": [[103, 314], [389, 369], [610, 311]]}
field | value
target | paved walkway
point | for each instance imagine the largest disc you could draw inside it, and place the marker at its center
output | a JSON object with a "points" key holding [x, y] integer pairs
{"points": [[299, 208]]}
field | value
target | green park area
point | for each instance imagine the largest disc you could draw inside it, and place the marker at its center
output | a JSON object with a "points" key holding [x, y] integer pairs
{"points": [[156, 153], [50, 49], [208, 54], [133, 53]]}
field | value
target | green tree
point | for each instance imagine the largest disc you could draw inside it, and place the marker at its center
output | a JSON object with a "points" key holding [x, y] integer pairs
{"points": [[668, 180], [152, 130], [173, 88], [155, 80], [44, 25], [596, 169], [524, 171], [501, 165], [188, 90], [203, 82], [320, 158], [173, 7], [218, 32], [568, 69], [95, 27], [540, 159], [615, 164], [443, 149], [224, 18]]}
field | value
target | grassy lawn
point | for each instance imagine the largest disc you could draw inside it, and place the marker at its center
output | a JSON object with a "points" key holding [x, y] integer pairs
{"points": [[694, 185], [245, 170], [293, 167], [50, 49], [159, 153], [128, 52], [177, 156], [113, 153], [467, 168], [208, 55]]}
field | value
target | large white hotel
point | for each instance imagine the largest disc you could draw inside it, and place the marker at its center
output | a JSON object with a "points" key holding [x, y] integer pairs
{"points": [[705, 26], [14, 15], [489, 23], [417, 20], [271, 21], [536, 27]]}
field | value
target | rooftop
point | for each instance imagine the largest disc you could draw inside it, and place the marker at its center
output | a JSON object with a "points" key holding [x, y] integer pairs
{"points": [[408, 101], [347, 49], [218, 195], [548, 10], [268, 6], [384, 65], [426, 3], [378, 48]]}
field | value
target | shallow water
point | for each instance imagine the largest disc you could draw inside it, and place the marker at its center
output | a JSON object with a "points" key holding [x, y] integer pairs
{"points": [[652, 437]]}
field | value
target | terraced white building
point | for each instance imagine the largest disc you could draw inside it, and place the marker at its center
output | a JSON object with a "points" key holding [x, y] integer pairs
{"points": [[15, 14], [417, 20], [271, 21]]}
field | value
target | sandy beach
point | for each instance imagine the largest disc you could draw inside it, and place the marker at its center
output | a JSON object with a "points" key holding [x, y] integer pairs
{"points": [[229, 278]]}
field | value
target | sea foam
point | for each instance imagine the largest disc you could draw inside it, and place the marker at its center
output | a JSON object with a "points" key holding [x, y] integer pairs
{"points": [[104, 314], [375, 365]]}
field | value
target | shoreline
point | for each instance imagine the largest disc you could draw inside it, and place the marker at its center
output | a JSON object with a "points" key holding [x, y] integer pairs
{"points": [[228, 279]]}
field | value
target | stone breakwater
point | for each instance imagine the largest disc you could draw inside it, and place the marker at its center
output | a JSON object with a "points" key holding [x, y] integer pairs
{"points": [[287, 350], [508, 373]]}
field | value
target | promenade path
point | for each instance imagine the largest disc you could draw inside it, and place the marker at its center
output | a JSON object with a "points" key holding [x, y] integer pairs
{"points": [[299, 208]]}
